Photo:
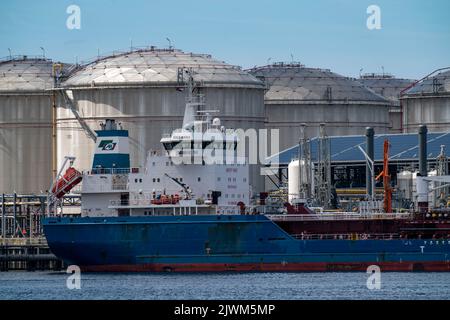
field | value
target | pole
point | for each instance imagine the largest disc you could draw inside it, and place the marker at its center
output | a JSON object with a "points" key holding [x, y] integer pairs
{"points": [[15, 213], [3, 217], [56, 70], [30, 228], [423, 150], [422, 185], [54, 146], [370, 184]]}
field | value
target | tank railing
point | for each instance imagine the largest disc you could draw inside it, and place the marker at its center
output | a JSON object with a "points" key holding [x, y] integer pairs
{"points": [[35, 241], [347, 236], [339, 216], [20, 57], [143, 49]]}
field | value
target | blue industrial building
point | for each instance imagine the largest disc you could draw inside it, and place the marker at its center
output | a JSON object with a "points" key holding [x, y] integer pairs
{"points": [[348, 165]]}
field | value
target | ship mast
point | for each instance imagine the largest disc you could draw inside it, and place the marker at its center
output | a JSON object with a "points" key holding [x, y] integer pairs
{"points": [[193, 102], [387, 203]]}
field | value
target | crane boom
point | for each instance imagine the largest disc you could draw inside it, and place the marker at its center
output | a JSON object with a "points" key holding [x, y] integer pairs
{"points": [[181, 184], [387, 203]]}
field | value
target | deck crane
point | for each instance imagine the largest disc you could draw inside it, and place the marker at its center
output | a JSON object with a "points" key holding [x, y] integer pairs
{"points": [[185, 187], [387, 202]]}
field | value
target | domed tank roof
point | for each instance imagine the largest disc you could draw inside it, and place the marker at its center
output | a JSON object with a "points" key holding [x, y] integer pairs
{"points": [[296, 83], [385, 85], [158, 67], [25, 74], [438, 84]]}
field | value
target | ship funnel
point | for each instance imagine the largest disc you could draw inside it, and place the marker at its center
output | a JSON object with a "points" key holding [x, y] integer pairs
{"points": [[422, 185], [112, 151], [423, 150]]}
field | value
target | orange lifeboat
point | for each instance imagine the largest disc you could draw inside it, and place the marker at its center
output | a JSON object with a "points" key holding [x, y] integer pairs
{"points": [[165, 199], [70, 179], [176, 199]]}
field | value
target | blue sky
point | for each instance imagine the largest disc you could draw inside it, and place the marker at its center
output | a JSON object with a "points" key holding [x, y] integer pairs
{"points": [[413, 41]]}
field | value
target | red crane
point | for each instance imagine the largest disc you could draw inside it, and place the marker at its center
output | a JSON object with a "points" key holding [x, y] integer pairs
{"points": [[387, 203]]}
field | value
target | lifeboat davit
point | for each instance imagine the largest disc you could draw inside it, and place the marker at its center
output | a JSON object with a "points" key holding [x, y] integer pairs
{"points": [[70, 179]]}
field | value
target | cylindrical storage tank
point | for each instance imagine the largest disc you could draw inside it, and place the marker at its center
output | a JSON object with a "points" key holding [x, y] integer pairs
{"points": [[296, 94], [140, 89], [405, 184], [390, 88], [293, 180], [421, 192], [25, 125], [296, 176], [428, 102]]}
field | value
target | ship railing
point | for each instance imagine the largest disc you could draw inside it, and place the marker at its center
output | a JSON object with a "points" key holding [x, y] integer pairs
{"points": [[152, 152], [228, 210], [112, 171], [347, 236], [142, 202], [100, 187], [77, 189], [119, 186], [340, 216], [127, 203]]}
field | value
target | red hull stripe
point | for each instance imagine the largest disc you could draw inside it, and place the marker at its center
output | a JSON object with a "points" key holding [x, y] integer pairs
{"points": [[272, 267]]}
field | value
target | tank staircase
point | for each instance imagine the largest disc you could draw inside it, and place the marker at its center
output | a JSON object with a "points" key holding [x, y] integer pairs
{"points": [[68, 101]]}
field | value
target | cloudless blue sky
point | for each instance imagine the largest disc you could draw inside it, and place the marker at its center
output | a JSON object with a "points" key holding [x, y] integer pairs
{"points": [[413, 41]]}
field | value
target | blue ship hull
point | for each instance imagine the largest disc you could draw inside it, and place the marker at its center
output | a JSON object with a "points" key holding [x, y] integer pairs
{"points": [[226, 243]]}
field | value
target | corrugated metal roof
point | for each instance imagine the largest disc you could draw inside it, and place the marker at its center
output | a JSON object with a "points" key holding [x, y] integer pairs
{"points": [[387, 86], [157, 66], [439, 83], [294, 82], [25, 74], [345, 148]]}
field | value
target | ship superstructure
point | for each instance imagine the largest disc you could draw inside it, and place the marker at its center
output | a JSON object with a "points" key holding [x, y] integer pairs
{"points": [[199, 170]]}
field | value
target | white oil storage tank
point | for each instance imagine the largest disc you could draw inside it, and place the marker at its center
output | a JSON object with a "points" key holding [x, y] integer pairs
{"points": [[25, 125], [298, 176], [405, 184], [428, 103], [141, 90], [389, 87], [297, 94]]}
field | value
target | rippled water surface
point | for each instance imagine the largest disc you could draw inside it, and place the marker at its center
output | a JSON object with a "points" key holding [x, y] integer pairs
{"points": [[51, 285]]}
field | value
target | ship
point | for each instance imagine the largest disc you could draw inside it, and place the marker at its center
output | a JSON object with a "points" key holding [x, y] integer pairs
{"points": [[183, 212]]}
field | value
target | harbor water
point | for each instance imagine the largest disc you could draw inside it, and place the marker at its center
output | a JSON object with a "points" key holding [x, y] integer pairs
{"points": [[298, 286]]}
